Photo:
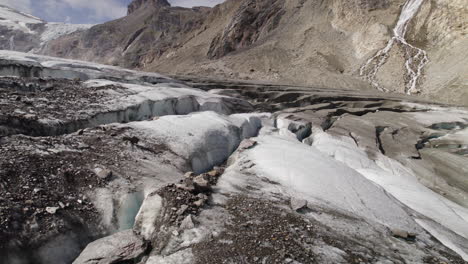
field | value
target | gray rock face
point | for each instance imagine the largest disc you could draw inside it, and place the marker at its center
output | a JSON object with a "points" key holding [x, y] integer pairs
{"points": [[251, 22], [103, 173], [120, 247], [137, 4], [298, 204]]}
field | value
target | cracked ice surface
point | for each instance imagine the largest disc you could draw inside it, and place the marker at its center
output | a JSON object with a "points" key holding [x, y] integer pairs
{"points": [[399, 182], [207, 138], [335, 173]]}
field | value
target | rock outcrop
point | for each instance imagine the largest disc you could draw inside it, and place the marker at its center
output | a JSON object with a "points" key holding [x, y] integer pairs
{"points": [[137, 4], [251, 22]]}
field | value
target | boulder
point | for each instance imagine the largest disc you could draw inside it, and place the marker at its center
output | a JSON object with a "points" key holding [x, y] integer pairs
{"points": [[298, 204], [103, 173], [247, 144], [151, 211], [187, 223], [201, 184], [124, 246]]}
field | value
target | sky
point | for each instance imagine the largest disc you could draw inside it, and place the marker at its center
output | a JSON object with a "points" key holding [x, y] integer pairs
{"points": [[86, 11]]}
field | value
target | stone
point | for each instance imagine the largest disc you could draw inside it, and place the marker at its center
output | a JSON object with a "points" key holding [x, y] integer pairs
{"points": [[187, 184], [214, 173], [52, 210], [150, 213], [182, 209], [189, 174], [398, 233], [298, 204], [201, 184], [199, 203], [103, 173], [187, 223], [120, 247], [83, 146], [247, 144]]}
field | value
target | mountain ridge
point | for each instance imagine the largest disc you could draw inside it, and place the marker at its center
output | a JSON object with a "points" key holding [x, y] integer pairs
{"points": [[300, 42]]}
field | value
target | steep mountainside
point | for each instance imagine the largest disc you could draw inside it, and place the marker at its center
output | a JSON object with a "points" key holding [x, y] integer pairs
{"points": [[319, 43], [23, 32]]}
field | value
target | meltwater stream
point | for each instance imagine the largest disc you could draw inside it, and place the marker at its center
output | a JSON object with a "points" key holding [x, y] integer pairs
{"points": [[416, 58]]}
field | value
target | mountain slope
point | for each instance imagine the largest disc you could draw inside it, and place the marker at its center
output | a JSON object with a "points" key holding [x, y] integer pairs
{"points": [[305, 42], [23, 32]]}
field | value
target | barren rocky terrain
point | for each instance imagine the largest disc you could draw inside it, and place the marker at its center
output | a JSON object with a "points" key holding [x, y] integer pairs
{"points": [[302, 42]]}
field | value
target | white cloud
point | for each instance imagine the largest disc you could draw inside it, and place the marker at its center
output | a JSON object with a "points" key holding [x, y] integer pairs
{"points": [[21, 5], [102, 9], [96, 9]]}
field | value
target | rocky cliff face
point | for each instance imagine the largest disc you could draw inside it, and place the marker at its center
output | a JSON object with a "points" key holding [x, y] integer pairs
{"points": [[324, 44], [251, 22], [137, 4], [150, 30]]}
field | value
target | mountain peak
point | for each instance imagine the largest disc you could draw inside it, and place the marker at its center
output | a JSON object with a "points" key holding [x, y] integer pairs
{"points": [[136, 4]]}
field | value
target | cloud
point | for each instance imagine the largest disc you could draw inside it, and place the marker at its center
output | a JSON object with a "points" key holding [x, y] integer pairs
{"points": [[21, 5], [94, 10]]}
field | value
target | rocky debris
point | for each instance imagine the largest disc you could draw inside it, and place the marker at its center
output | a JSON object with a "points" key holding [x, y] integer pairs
{"points": [[201, 183], [54, 172], [44, 187], [247, 144], [121, 247], [41, 172], [298, 204], [253, 20], [189, 175], [50, 107], [398, 233], [51, 210], [149, 215], [103, 173], [187, 223], [261, 231]]}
